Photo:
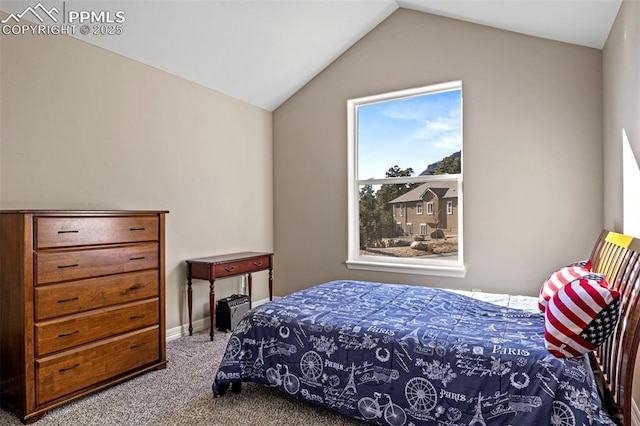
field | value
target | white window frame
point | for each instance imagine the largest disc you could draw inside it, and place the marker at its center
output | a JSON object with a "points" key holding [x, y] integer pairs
{"points": [[419, 207], [449, 207], [429, 207], [423, 227], [424, 266]]}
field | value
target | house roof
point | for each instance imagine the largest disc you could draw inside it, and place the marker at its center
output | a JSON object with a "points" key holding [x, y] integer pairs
{"points": [[440, 189]]}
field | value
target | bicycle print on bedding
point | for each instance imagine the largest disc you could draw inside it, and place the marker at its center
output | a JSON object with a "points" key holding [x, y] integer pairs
{"points": [[403, 355]]}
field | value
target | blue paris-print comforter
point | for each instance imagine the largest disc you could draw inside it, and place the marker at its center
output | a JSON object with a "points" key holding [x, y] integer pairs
{"points": [[405, 355]]}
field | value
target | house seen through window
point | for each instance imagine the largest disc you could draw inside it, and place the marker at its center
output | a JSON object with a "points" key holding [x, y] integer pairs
{"points": [[405, 168]]}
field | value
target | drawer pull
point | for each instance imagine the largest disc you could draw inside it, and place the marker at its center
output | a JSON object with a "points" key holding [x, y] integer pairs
{"points": [[75, 265], [136, 229], [230, 268], [62, 370], [136, 258], [257, 263], [68, 232], [136, 287], [139, 345], [69, 334], [137, 316], [73, 299]]}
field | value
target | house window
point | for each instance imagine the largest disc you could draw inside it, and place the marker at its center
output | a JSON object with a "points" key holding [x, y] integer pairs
{"points": [[405, 148], [429, 208], [449, 207], [409, 228]]}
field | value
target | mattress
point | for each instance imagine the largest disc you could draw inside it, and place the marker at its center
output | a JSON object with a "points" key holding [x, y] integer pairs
{"points": [[396, 354]]}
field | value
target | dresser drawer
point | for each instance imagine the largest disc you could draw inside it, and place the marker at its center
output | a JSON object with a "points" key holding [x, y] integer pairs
{"points": [[51, 232], [242, 266], [76, 264], [77, 296], [71, 371], [75, 330]]}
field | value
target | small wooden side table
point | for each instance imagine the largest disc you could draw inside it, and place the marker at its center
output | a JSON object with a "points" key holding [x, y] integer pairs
{"points": [[223, 266]]}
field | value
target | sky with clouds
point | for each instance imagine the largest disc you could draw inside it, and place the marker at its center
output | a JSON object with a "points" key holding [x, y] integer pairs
{"points": [[411, 132]]}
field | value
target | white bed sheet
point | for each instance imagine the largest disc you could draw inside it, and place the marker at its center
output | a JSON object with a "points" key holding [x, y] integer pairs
{"points": [[526, 303]]}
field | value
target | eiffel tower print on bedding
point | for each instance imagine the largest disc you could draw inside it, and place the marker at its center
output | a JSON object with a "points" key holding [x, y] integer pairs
{"points": [[404, 355]]}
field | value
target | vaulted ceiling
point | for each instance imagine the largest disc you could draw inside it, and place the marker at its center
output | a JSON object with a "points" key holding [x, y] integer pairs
{"points": [[263, 51]]}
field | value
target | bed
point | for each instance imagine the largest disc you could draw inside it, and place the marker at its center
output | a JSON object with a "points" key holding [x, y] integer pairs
{"points": [[405, 355]]}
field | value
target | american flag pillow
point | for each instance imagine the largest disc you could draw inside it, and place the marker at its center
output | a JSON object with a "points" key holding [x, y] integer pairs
{"points": [[559, 279], [580, 316], [582, 263]]}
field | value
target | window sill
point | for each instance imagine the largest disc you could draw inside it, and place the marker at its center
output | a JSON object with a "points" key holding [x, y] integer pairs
{"points": [[451, 271]]}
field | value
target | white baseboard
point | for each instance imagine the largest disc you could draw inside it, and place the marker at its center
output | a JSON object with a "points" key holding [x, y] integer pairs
{"points": [[635, 414], [199, 325], [183, 330]]}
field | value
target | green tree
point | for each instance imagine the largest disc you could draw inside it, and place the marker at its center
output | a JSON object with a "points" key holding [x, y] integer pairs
{"points": [[448, 165], [396, 171], [369, 229], [388, 192]]}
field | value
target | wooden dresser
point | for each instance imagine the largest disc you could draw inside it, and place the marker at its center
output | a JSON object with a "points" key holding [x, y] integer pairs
{"points": [[82, 303]]}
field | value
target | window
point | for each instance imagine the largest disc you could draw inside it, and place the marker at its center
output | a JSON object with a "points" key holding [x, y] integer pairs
{"points": [[405, 148]]}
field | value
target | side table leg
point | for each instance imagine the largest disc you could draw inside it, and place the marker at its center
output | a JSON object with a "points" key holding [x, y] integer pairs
{"points": [[270, 283], [250, 285], [212, 305], [190, 301]]}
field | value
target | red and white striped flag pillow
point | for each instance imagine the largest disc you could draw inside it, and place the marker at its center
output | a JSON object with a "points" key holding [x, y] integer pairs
{"points": [[580, 316], [561, 278]]}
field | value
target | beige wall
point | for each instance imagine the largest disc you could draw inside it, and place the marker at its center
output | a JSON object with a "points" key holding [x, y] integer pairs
{"points": [[532, 151], [621, 76], [621, 86], [83, 128]]}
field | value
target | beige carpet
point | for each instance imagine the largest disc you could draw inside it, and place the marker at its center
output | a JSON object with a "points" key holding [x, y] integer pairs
{"points": [[181, 395]]}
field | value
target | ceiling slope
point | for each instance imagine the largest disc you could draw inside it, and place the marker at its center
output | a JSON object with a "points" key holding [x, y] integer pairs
{"points": [[263, 51]]}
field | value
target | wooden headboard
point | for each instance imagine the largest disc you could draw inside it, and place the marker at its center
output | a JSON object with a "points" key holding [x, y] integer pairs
{"points": [[618, 257]]}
